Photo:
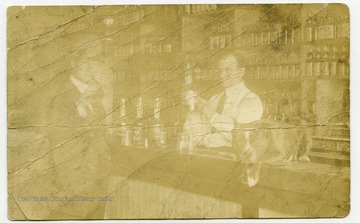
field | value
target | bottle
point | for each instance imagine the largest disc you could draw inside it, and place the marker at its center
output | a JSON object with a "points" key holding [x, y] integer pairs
{"points": [[343, 27], [125, 129], [292, 31], [216, 42], [147, 135], [284, 71], [283, 119], [346, 62], [211, 43], [316, 62], [159, 134], [344, 67], [316, 22], [185, 137], [286, 36], [190, 94], [325, 62], [222, 41], [333, 62], [138, 137], [229, 40], [273, 36], [174, 123], [187, 9], [292, 71]]}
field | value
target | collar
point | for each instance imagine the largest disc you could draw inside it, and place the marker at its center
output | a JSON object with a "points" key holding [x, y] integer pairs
{"points": [[234, 89], [78, 84]]}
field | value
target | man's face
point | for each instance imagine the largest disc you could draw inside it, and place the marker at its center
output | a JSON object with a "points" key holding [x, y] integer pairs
{"points": [[230, 74], [88, 74]]}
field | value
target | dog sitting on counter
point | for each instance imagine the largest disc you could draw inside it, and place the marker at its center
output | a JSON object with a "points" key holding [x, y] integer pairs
{"points": [[269, 142]]}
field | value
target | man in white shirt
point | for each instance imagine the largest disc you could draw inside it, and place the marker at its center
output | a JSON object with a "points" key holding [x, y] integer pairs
{"points": [[212, 126], [235, 105]]}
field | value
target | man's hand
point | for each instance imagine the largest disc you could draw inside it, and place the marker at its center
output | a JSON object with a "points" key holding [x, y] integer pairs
{"points": [[205, 108]]}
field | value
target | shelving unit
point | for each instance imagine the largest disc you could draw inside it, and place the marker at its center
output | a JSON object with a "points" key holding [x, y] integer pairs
{"points": [[296, 62]]}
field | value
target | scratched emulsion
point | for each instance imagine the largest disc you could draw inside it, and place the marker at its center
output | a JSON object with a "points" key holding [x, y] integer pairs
{"points": [[178, 111]]}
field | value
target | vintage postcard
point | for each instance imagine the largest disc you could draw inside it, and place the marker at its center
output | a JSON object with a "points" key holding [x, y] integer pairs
{"points": [[196, 111]]}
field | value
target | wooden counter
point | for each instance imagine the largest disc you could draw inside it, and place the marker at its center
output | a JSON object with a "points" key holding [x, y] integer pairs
{"points": [[293, 189]]}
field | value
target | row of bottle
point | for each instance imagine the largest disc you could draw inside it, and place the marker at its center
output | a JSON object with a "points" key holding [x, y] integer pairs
{"points": [[154, 131], [319, 28], [143, 132], [150, 48], [132, 17], [165, 75], [220, 26], [281, 105], [157, 75], [269, 36], [199, 8], [275, 59], [155, 45], [185, 140], [129, 49], [220, 41], [326, 61], [286, 71]]}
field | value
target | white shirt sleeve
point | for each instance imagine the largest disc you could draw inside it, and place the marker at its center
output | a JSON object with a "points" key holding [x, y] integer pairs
{"points": [[249, 109]]}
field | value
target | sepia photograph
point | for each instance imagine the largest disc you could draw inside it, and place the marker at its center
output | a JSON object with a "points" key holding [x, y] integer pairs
{"points": [[179, 111]]}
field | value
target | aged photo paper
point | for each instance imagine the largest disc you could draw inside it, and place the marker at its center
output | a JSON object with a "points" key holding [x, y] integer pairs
{"points": [[178, 111]]}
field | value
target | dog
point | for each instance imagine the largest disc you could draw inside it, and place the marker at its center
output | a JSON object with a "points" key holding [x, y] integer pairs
{"points": [[268, 141]]}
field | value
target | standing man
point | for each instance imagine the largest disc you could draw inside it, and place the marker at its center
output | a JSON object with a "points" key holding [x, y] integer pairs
{"points": [[81, 159], [235, 105]]}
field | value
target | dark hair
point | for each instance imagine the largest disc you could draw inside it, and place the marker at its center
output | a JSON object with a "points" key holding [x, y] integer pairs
{"points": [[241, 59]]}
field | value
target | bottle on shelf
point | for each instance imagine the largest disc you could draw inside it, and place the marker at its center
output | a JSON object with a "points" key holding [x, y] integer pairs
{"points": [[147, 135], [167, 48], [190, 94], [284, 71], [343, 27], [174, 122], [159, 134], [138, 135], [286, 36], [309, 31], [343, 65], [272, 72], [125, 127], [297, 35], [283, 119], [316, 62], [222, 41], [333, 62], [228, 40], [185, 137], [278, 72], [292, 71], [325, 62], [309, 62], [266, 36], [258, 38]]}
